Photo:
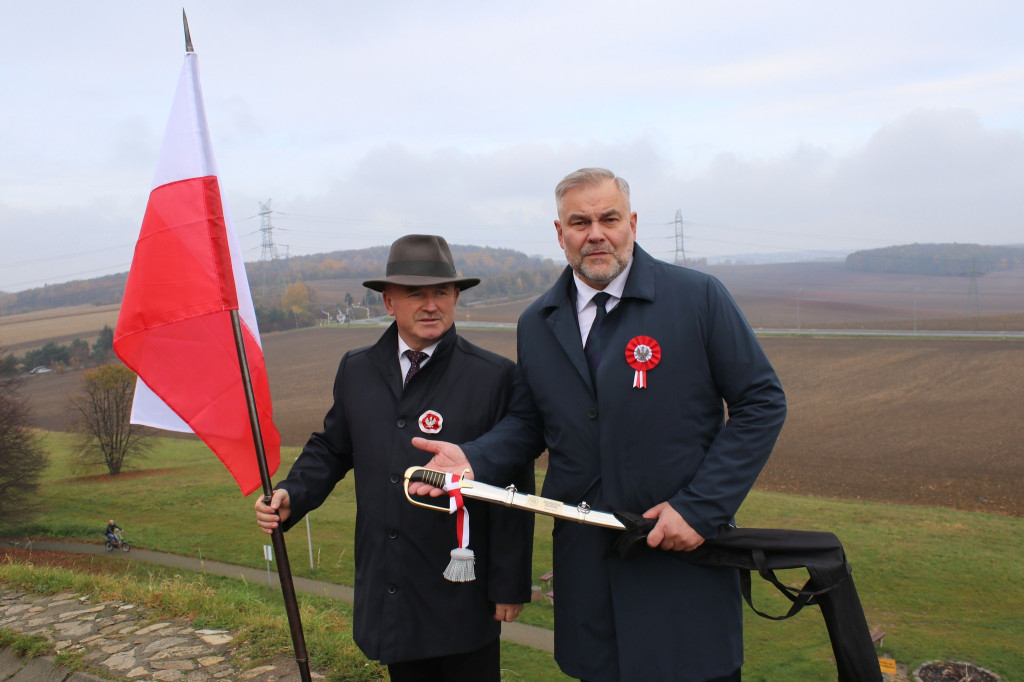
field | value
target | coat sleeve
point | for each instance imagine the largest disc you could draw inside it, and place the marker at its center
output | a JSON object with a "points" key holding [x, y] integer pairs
{"points": [[757, 409], [325, 459], [510, 532], [517, 440]]}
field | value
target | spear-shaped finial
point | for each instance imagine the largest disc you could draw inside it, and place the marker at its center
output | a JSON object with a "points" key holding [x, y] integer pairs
{"points": [[188, 36]]}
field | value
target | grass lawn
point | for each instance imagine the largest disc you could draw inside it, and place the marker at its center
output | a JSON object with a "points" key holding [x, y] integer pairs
{"points": [[942, 584]]}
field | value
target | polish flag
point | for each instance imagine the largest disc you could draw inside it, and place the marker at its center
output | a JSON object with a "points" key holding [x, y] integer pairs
{"points": [[174, 329]]}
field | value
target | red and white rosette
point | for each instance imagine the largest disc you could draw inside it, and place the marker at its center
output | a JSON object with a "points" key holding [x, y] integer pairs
{"points": [[643, 354], [431, 422]]}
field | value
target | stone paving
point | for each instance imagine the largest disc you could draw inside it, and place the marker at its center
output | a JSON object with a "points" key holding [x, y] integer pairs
{"points": [[119, 641]]}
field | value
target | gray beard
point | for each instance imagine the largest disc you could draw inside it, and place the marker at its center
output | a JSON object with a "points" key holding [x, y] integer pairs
{"points": [[585, 271]]}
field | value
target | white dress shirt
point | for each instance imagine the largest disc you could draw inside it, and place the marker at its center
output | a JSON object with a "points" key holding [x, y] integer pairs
{"points": [[405, 362], [586, 309]]}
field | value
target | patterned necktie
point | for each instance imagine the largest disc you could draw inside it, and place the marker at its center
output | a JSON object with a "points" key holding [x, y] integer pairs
{"points": [[592, 349], [415, 358]]}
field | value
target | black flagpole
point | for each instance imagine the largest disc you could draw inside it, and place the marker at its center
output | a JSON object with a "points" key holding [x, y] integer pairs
{"points": [[284, 571], [188, 36]]}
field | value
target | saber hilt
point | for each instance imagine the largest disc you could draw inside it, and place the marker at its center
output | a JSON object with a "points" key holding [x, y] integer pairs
{"points": [[510, 497], [421, 475]]}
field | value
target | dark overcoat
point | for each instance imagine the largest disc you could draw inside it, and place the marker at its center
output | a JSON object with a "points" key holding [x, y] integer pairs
{"points": [[404, 608], [623, 448]]}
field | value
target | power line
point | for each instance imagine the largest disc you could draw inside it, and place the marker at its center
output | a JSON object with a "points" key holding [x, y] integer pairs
{"points": [[268, 249], [680, 251]]}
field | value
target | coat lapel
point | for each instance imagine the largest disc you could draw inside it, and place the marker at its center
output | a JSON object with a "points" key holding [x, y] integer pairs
{"points": [[640, 283], [561, 318], [384, 354], [422, 389], [560, 306]]}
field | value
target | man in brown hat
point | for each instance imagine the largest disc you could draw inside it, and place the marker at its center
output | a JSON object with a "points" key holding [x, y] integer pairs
{"points": [[419, 379]]}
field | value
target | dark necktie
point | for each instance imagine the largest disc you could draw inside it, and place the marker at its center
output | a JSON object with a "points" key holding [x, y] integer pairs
{"points": [[595, 343], [415, 358]]}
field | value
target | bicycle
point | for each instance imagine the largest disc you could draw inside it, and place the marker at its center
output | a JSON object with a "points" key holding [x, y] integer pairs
{"points": [[117, 543]]}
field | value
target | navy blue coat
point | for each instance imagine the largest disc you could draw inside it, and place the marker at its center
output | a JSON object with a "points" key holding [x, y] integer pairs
{"points": [[617, 447], [404, 608]]}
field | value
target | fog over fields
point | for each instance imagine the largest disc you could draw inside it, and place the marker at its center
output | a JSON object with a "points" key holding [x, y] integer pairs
{"points": [[911, 419]]}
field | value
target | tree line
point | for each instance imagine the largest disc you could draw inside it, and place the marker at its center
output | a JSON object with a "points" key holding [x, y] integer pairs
{"points": [[937, 259], [505, 272], [56, 356]]}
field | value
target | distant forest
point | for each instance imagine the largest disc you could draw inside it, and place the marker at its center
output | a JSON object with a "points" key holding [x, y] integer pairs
{"points": [[937, 259], [505, 272]]}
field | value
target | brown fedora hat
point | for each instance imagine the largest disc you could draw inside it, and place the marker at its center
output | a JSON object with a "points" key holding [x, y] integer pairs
{"points": [[418, 260]]}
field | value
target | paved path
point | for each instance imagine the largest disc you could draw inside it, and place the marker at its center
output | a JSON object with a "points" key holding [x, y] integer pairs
{"points": [[118, 638], [123, 642]]}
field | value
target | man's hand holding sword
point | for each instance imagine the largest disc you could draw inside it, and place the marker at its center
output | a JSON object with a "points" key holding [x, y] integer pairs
{"points": [[670, 532]]}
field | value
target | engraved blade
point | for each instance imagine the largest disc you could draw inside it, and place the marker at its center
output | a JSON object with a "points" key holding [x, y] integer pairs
{"points": [[510, 497], [538, 505]]}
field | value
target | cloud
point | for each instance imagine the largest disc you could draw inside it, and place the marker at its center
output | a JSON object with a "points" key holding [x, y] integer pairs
{"points": [[930, 176]]}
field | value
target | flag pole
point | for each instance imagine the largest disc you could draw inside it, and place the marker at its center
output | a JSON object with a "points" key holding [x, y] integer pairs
{"points": [[188, 36], [284, 571]]}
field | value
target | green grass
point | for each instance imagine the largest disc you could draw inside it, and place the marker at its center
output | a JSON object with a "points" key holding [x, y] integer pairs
{"points": [[253, 611], [942, 584], [25, 646]]}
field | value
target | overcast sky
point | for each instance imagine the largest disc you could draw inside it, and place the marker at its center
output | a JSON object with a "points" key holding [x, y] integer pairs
{"points": [[777, 126]]}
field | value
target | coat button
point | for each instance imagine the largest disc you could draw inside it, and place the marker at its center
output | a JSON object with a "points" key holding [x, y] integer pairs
{"points": [[400, 423], [392, 589], [392, 533], [395, 478], [592, 413]]}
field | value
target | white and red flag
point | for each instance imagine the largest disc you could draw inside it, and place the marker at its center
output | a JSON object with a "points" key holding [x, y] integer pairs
{"points": [[187, 275]]}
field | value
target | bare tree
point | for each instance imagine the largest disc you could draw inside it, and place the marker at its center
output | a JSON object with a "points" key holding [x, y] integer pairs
{"points": [[104, 406], [22, 458]]}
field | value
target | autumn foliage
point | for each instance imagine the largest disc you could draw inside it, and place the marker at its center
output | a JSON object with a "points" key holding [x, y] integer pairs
{"points": [[104, 407]]}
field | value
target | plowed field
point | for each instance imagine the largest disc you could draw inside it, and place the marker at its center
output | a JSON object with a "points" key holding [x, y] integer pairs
{"points": [[917, 421]]}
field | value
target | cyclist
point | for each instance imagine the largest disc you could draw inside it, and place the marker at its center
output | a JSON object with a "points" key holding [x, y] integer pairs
{"points": [[111, 527]]}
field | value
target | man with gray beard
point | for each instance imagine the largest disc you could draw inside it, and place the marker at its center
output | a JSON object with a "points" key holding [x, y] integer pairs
{"points": [[625, 367]]}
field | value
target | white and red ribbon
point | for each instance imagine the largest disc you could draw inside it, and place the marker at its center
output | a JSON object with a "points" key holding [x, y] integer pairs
{"points": [[460, 568], [456, 505], [643, 354]]}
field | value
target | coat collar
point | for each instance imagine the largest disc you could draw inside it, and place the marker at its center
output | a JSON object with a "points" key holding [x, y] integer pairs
{"points": [[384, 354], [558, 306], [640, 283]]}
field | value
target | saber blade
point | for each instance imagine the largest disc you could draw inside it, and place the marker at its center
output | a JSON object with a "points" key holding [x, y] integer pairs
{"points": [[510, 497]]}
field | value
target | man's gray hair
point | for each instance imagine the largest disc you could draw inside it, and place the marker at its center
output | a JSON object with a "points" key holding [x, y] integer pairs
{"points": [[589, 176]]}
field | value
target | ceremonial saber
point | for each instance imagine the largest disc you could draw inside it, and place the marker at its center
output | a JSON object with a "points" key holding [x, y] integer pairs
{"points": [[830, 585], [510, 497]]}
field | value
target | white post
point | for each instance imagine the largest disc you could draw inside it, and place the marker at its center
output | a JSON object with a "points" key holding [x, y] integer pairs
{"points": [[268, 554], [798, 293], [915, 311], [309, 540]]}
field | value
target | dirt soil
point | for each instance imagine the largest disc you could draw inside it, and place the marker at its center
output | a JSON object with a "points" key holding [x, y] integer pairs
{"points": [[954, 672], [84, 563], [915, 421]]}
